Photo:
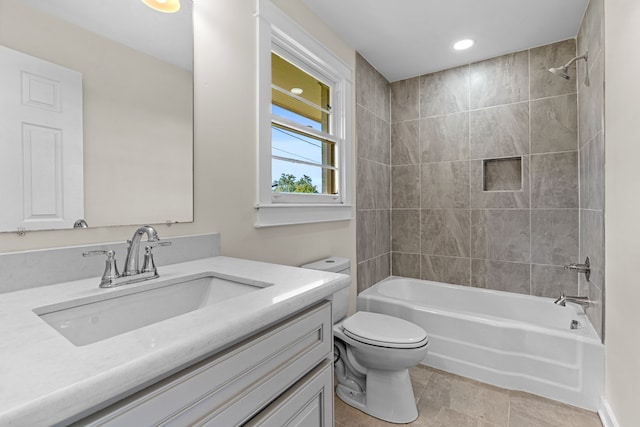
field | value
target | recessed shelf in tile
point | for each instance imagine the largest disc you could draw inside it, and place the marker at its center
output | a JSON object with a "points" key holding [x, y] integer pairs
{"points": [[502, 174]]}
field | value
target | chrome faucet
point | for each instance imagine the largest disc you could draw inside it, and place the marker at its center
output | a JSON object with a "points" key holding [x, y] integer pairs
{"points": [[563, 299], [132, 272], [133, 251]]}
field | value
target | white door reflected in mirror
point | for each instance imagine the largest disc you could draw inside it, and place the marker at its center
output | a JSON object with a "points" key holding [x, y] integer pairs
{"points": [[41, 177]]}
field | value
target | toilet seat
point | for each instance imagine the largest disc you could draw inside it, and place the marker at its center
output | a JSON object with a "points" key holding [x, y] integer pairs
{"points": [[384, 331]]}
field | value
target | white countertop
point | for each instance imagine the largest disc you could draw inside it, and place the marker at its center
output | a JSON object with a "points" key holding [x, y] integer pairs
{"points": [[44, 379]]}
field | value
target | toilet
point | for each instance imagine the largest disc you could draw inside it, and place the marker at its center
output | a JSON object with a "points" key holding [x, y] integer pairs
{"points": [[373, 355]]}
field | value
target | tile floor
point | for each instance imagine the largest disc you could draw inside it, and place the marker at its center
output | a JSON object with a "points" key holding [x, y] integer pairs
{"points": [[447, 400]]}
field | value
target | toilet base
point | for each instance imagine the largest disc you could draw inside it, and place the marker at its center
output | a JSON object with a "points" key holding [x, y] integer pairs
{"points": [[389, 396]]}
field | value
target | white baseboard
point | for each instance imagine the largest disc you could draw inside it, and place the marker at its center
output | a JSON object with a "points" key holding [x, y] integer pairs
{"points": [[606, 414]]}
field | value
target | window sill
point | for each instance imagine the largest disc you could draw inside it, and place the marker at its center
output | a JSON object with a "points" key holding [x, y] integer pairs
{"points": [[290, 214]]}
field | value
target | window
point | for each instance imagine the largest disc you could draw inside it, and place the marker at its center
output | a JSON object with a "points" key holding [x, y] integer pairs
{"points": [[304, 153]]}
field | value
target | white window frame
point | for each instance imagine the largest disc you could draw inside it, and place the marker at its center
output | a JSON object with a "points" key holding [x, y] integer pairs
{"points": [[280, 34]]}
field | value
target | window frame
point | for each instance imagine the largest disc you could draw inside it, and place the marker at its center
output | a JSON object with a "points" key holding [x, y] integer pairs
{"points": [[279, 34]]}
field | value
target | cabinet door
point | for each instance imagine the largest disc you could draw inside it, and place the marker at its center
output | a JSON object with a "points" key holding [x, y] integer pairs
{"points": [[229, 388], [309, 403]]}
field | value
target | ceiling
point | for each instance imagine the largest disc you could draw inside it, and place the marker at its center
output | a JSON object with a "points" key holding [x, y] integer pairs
{"points": [[407, 38]]}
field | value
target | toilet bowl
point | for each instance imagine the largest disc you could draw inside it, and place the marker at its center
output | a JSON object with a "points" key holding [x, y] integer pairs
{"points": [[373, 355]]}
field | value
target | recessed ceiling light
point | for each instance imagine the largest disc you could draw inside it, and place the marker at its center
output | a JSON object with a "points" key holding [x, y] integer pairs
{"points": [[463, 44], [296, 91], [166, 6]]}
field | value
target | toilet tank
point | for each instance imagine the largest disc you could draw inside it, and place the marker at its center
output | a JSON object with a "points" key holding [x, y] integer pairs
{"points": [[340, 300]]}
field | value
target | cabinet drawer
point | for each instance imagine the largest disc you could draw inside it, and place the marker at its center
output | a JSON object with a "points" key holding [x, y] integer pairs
{"points": [[309, 403], [230, 387]]}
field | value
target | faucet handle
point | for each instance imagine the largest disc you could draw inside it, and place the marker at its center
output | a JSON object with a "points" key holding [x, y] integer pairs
{"points": [[98, 252], [110, 269], [158, 243]]}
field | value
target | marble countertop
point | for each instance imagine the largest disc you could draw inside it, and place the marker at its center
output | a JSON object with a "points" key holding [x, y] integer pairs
{"points": [[45, 379]]}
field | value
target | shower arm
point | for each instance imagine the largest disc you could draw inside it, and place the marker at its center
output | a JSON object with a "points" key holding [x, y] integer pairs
{"points": [[577, 58]]}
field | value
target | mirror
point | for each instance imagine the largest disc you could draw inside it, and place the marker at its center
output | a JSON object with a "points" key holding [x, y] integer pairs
{"points": [[136, 70]]}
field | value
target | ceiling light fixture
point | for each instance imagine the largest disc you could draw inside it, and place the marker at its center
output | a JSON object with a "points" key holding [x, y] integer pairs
{"points": [[463, 44], [296, 91], [166, 6]]}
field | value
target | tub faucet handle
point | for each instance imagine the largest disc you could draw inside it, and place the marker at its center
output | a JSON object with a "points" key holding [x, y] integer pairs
{"points": [[581, 268]]}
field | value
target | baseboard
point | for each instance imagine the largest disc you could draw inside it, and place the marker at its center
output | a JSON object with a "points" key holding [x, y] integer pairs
{"points": [[606, 414]]}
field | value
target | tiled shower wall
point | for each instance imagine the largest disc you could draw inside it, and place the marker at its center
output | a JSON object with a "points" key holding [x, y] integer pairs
{"points": [[591, 146], [444, 126], [373, 201]]}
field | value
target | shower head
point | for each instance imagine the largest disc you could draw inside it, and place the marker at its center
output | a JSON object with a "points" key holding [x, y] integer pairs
{"points": [[561, 71], [564, 70]]}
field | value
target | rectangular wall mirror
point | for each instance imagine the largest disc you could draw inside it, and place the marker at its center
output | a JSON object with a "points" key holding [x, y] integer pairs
{"points": [[123, 153]]}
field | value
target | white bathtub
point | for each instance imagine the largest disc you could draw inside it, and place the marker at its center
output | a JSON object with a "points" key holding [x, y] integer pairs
{"points": [[513, 341]]}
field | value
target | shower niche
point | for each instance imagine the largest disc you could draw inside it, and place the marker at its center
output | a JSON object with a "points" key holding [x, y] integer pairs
{"points": [[504, 174]]}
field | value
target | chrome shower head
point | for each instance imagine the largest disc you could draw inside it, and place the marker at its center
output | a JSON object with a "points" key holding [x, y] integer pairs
{"points": [[561, 71]]}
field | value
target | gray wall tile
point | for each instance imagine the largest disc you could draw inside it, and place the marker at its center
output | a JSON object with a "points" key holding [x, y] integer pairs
{"points": [[445, 232], [374, 185], [501, 276], [501, 80], [592, 243], [366, 128], [501, 235], [405, 184], [444, 92], [382, 232], [591, 104], [554, 124], [445, 185], [500, 131], [554, 180], [405, 143], [365, 241], [365, 83], [554, 236], [549, 281], [382, 147], [446, 269], [592, 174], [595, 311], [405, 265], [544, 83], [372, 271], [591, 141], [405, 230], [405, 100], [383, 97], [498, 199], [445, 138], [591, 35]]}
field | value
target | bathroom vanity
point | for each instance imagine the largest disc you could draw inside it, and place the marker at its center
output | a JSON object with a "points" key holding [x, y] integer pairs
{"points": [[185, 349]]}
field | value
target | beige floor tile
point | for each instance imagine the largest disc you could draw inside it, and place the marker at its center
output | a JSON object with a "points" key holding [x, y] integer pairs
{"points": [[472, 398], [434, 415], [419, 377], [528, 410], [352, 417]]}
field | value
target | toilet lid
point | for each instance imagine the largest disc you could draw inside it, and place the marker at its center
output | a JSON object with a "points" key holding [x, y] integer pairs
{"points": [[384, 331]]}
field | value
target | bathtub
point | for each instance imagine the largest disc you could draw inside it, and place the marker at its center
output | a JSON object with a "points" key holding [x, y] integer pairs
{"points": [[514, 341]]}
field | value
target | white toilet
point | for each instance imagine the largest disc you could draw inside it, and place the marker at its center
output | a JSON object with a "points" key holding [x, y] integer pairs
{"points": [[373, 355]]}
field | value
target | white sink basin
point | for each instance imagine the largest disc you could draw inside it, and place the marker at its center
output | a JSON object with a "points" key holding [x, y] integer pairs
{"points": [[89, 320]]}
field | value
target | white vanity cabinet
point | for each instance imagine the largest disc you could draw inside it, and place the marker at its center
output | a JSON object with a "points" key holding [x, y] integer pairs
{"points": [[281, 376]]}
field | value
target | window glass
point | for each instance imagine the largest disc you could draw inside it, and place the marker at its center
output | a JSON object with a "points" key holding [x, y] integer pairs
{"points": [[303, 152]]}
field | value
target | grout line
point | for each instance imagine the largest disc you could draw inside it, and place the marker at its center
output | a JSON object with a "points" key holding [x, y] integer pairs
{"points": [[470, 281], [529, 171]]}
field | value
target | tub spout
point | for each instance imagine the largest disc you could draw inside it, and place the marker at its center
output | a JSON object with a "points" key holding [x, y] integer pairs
{"points": [[563, 299]]}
